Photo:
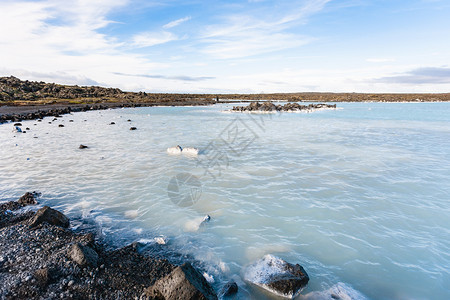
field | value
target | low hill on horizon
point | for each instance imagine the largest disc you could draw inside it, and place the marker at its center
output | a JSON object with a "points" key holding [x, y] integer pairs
{"points": [[18, 92]]}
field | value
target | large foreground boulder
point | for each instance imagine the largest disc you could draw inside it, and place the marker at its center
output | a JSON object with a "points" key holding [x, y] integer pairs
{"points": [[184, 282], [278, 276], [50, 216], [83, 255]]}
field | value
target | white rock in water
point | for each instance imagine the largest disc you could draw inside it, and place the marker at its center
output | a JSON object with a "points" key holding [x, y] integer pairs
{"points": [[277, 276], [208, 277], [161, 240], [339, 291], [194, 224], [190, 151], [175, 150]]}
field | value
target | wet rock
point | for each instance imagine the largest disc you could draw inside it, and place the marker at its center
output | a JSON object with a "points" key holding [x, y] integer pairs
{"points": [[17, 124], [50, 216], [184, 282], [229, 289], [112, 123], [133, 128], [60, 125], [278, 276], [83, 255], [205, 220], [28, 199], [82, 146]]}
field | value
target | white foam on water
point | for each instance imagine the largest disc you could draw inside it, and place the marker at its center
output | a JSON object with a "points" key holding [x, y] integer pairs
{"points": [[208, 277], [339, 291], [132, 214]]}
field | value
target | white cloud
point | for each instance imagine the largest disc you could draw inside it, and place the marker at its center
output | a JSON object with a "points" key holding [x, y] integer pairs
{"points": [[246, 35], [147, 39], [176, 22], [380, 60], [55, 40]]}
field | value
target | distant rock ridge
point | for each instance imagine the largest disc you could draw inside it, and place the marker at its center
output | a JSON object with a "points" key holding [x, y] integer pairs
{"points": [[12, 88]]}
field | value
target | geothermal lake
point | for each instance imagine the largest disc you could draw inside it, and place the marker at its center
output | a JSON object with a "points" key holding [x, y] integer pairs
{"points": [[359, 196]]}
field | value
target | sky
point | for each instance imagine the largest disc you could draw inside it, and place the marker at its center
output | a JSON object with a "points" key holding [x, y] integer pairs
{"points": [[234, 46]]}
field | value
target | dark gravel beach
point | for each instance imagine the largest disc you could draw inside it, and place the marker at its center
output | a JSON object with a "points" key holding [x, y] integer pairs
{"points": [[42, 258]]}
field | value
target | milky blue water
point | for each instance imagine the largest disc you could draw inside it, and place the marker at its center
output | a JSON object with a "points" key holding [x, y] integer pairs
{"points": [[358, 196]]}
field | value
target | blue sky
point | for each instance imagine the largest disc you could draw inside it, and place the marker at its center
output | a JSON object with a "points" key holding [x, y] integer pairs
{"points": [[235, 46]]}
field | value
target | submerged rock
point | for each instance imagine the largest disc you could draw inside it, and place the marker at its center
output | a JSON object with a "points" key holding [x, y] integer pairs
{"points": [[278, 276], [229, 289], [339, 291], [184, 282], [50, 216], [205, 220]]}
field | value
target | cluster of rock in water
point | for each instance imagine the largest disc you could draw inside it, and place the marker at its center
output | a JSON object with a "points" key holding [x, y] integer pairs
{"points": [[41, 257], [289, 107]]}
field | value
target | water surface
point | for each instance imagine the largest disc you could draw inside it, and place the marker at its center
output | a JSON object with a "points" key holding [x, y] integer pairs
{"points": [[358, 195]]}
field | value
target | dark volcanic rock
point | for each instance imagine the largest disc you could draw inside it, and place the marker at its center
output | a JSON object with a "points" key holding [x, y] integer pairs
{"points": [[83, 255], [34, 264], [50, 216], [60, 125], [7, 215], [42, 276], [133, 128], [183, 282], [289, 107], [277, 276], [229, 289], [28, 199], [83, 147]]}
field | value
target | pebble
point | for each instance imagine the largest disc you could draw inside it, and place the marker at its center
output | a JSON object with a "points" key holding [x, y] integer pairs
{"points": [[70, 283]]}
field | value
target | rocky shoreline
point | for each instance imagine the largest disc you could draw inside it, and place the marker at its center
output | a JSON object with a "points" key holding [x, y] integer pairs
{"points": [[35, 112], [289, 107], [42, 258]]}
